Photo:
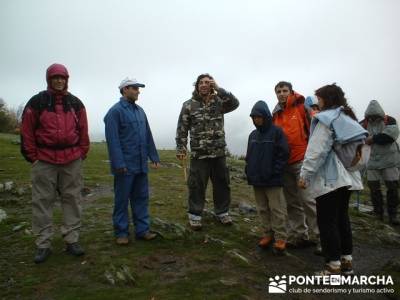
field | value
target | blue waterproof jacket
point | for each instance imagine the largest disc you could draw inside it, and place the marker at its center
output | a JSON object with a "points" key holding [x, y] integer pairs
{"points": [[129, 139], [267, 151]]}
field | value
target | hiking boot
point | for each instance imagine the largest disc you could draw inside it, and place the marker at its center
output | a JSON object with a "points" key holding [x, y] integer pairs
{"points": [[123, 240], [394, 221], [346, 267], [265, 241], [328, 270], [195, 224], [41, 255], [148, 236], [225, 220], [75, 249], [279, 246]]}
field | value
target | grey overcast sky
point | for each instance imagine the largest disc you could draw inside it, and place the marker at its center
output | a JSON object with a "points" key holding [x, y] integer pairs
{"points": [[248, 46]]}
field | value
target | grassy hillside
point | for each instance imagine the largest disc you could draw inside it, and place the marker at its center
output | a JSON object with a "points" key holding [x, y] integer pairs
{"points": [[216, 263]]}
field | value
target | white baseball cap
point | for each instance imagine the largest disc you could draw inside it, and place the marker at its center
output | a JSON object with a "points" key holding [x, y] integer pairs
{"points": [[130, 82]]}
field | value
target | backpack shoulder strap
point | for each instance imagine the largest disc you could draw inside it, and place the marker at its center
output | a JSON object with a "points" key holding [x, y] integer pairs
{"points": [[73, 102], [40, 102], [305, 118]]}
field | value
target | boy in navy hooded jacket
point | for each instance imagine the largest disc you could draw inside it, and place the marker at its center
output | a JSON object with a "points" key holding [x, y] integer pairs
{"points": [[267, 156]]}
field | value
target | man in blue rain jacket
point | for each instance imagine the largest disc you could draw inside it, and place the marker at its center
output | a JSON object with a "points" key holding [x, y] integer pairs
{"points": [[130, 145]]}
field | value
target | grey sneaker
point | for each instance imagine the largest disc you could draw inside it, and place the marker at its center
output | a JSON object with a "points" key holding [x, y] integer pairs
{"points": [[195, 224], [225, 220]]}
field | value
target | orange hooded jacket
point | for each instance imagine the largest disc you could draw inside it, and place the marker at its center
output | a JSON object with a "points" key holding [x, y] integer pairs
{"points": [[295, 122]]}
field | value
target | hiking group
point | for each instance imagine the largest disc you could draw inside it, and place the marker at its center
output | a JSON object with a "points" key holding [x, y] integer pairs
{"points": [[303, 161]]}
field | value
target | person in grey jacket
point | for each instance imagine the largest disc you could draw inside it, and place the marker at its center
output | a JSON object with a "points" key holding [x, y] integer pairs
{"points": [[384, 160], [326, 179]]}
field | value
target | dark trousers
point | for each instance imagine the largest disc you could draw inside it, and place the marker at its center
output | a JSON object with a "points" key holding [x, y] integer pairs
{"points": [[334, 224], [392, 197], [200, 171]]}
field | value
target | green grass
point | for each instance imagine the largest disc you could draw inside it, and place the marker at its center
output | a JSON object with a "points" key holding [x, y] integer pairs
{"points": [[12, 165], [199, 265], [195, 265]]}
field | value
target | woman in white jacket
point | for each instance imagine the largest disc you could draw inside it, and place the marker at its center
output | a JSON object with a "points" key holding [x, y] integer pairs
{"points": [[328, 181]]}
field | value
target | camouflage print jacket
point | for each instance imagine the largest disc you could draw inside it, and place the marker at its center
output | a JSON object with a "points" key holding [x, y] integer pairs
{"points": [[205, 122]]}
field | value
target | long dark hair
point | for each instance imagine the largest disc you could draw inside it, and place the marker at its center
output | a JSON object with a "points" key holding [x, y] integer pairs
{"points": [[333, 97], [200, 77]]}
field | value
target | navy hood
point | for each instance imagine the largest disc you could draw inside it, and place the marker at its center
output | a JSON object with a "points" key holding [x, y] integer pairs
{"points": [[261, 109]]}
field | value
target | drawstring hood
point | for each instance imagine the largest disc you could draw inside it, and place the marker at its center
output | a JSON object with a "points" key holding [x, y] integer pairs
{"points": [[260, 109]]}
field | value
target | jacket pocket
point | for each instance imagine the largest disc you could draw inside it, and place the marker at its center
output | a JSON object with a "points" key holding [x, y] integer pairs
{"points": [[260, 164], [331, 169]]}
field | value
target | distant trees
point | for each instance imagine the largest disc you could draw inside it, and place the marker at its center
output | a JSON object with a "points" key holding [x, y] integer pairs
{"points": [[10, 118]]}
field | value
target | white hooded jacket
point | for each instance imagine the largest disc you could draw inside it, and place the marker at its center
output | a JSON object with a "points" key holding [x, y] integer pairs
{"points": [[322, 170]]}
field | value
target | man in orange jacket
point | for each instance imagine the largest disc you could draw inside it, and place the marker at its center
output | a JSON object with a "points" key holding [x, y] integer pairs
{"points": [[291, 115]]}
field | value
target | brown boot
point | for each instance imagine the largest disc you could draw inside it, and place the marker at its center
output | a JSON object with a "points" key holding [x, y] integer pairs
{"points": [[148, 236], [279, 246], [122, 240], [265, 242]]}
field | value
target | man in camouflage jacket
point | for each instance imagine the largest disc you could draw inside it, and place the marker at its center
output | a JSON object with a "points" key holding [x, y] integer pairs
{"points": [[203, 117]]}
